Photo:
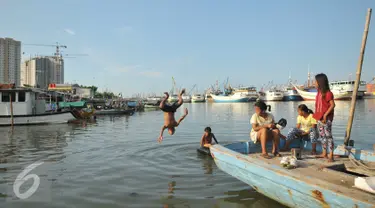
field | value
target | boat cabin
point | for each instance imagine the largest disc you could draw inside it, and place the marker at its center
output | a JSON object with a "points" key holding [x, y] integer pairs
{"points": [[23, 101]]}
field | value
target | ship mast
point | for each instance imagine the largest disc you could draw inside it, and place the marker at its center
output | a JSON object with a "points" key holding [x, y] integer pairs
{"points": [[308, 75]]}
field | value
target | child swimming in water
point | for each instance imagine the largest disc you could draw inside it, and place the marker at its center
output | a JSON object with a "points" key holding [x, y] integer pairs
{"points": [[206, 140]]}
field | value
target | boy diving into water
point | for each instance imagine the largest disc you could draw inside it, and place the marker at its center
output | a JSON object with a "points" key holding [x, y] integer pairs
{"points": [[169, 121]]}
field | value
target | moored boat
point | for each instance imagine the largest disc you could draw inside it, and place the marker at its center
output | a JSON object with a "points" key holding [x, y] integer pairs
{"points": [[186, 98], [115, 112], [173, 98], [198, 98], [250, 92], [291, 94], [21, 106], [231, 98], [271, 95], [314, 183], [338, 95]]}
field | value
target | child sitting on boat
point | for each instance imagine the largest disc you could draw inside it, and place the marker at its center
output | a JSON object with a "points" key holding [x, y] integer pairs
{"points": [[305, 129], [264, 129], [206, 140]]}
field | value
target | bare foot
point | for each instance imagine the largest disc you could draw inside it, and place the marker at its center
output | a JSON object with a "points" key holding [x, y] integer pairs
{"points": [[276, 154], [330, 160], [166, 94], [321, 156], [265, 155], [182, 92]]}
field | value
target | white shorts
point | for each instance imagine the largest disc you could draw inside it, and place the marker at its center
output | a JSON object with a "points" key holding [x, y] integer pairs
{"points": [[253, 136]]}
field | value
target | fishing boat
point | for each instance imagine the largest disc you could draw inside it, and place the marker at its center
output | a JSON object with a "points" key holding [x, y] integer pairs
{"points": [[152, 104], [22, 106], [291, 94], [271, 95], [115, 112], [349, 181], [348, 86], [370, 91], [341, 90], [314, 183], [173, 98], [198, 98], [236, 97], [204, 151], [186, 98], [338, 95], [250, 92]]}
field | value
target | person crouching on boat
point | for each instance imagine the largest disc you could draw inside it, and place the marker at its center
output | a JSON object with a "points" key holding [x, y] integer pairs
{"points": [[264, 129], [206, 140], [305, 129], [170, 122]]}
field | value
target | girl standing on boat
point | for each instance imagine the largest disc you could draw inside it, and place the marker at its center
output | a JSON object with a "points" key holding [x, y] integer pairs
{"points": [[324, 112], [264, 129], [306, 128]]}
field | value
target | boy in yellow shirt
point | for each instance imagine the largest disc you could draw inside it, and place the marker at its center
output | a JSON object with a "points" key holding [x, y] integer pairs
{"points": [[305, 129]]}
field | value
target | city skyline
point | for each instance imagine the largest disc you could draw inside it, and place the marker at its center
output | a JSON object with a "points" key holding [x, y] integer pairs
{"points": [[137, 46]]}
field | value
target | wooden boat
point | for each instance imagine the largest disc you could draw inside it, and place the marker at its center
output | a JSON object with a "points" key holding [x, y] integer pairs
{"points": [[232, 98], [198, 98], [271, 95], [314, 183], [338, 95], [154, 106], [115, 112], [204, 151], [21, 106]]}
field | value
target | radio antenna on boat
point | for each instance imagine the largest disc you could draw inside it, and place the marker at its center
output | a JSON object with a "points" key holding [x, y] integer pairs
{"points": [[358, 78]]}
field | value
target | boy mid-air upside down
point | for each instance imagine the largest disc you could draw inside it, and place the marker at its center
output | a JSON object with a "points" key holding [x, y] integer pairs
{"points": [[170, 122]]}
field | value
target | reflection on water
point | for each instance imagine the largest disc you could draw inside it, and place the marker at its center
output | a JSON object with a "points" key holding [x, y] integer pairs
{"points": [[116, 162]]}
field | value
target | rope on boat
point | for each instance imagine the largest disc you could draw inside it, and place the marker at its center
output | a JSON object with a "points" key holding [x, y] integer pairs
{"points": [[360, 164]]}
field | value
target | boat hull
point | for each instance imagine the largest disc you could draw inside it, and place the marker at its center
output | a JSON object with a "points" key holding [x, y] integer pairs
{"points": [[312, 95], [229, 99], [151, 106], [284, 186], [292, 98], [198, 101], [41, 119], [114, 112], [271, 98]]}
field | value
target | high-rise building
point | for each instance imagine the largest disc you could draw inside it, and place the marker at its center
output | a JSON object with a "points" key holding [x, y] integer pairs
{"points": [[10, 61], [41, 71]]}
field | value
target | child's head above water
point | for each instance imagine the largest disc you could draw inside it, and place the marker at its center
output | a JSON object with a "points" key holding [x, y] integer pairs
{"points": [[303, 110], [207, 130]]}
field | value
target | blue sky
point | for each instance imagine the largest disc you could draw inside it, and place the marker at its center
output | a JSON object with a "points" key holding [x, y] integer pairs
{"points": [[137, 46]]}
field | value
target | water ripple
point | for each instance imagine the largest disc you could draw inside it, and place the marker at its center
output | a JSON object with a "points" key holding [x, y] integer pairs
{"points": [[117, 161]]}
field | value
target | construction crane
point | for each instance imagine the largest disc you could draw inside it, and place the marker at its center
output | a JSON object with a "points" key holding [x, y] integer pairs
{"points": [[58, 46]]}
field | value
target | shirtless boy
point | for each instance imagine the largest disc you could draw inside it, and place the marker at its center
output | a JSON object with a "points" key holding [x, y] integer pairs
{"points": [[170, 122]]}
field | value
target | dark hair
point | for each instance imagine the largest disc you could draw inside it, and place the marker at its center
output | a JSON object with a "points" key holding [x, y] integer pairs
{"points": [[207, 129], [262, 105], [323, 84], [305, 109]]}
